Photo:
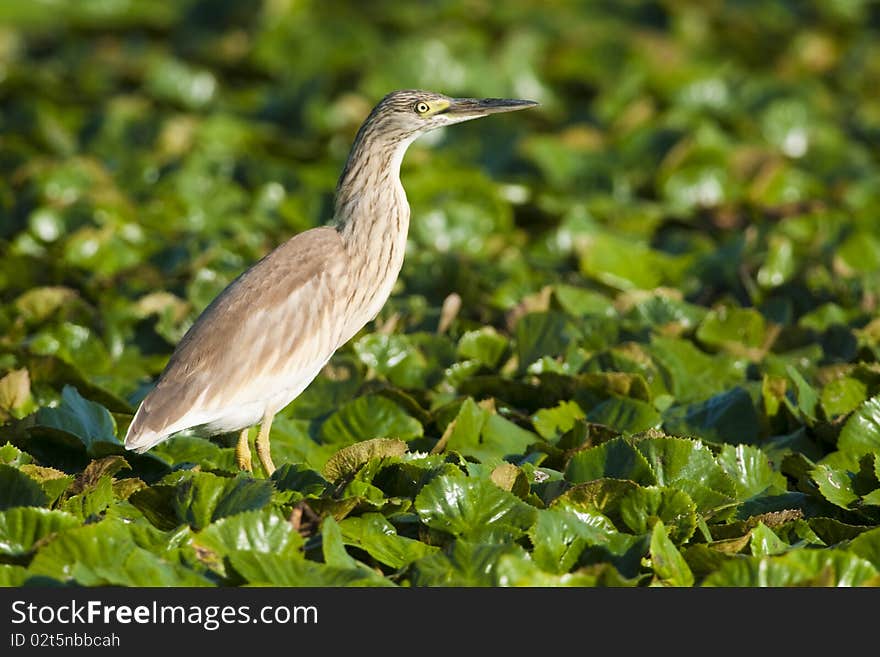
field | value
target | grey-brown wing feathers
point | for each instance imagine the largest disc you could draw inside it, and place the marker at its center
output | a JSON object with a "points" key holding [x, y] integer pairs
{"points": [[258, 344]]}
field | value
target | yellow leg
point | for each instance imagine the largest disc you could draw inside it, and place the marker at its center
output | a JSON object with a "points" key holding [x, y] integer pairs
{"points": [[243, 452], [262, 445]]}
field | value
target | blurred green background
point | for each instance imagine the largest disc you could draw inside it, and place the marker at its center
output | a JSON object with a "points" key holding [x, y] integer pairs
{"points": [[150, 151]]}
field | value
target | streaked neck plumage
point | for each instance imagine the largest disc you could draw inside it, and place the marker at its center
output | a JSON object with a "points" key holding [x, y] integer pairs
{"points": [[372, 217]]}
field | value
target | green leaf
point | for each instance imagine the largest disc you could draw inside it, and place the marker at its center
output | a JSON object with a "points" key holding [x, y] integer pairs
{"points": [[697, 185], [13, 576], [728, 417], [795, 568], [463, 564], [464, 506], [627, 265], [93, 501], [263, 531], [22, 528], [15, 395], [282, 570], [464, 431], [408, 361], [519, 571], [861, 433], [484, 345], [842, 396], [560, 535], [12, 455], [348, 460], [335, 555], [734, 329], [625, 415], [867, 546], [500, 438], [370, 416], [17, 489], [193, 449], [105, 554], [87, 420], [635, 508], [543, 334], [835, 485], [751, 471], [551, 423], [669, 566], [764, 542], [807, 397], [616, 459], [373, 533], [581, 302], [300, 479], [202, 497], [691, 467], [662, 311], [779, 265], [485, 436], [692, 375], [860, 252], [53, 482]]}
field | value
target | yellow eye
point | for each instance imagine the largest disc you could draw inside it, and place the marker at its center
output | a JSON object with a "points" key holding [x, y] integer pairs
{"points": [[422, 107]]}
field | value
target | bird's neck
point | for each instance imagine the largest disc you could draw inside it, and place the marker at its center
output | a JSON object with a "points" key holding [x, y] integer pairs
{"points": [[371, 206], [372, 217]]}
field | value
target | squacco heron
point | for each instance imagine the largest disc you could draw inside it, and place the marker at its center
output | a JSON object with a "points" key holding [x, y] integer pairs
{"points": [[268, 334]]}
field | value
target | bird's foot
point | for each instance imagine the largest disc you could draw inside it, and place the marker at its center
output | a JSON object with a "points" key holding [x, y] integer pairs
{"points": [[243, 452]]}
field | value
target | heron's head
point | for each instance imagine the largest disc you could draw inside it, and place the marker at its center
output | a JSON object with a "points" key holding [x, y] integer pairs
{"points": [[406, 114]]}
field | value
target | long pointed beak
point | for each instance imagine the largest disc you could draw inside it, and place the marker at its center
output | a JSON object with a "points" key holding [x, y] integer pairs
{"points": [[472, 108]]}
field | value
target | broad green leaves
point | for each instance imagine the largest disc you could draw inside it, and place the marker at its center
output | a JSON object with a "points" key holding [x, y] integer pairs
{"points": [[17, 489], [22, 527], [861, 433], [468, 507], [89, 422], [369, 417], [634, 341]]}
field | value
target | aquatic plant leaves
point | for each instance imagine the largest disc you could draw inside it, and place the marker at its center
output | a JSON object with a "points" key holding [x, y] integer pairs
{"points": [[485, 345], [104, 553], [90, 422], [797, 568], [347, 461], [551, 423], [751, 471], [372, 416], [685, 244], [464, 563], [21, 528], [861, 433], [615, 459], [464, 506], [690, 466], [263, 531], [764, 542], [692, 375], [560, 535], [17, 489], [728, 417], [670, 568], [282, 570], [633, 508], [375, 535], [199, 498]]}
